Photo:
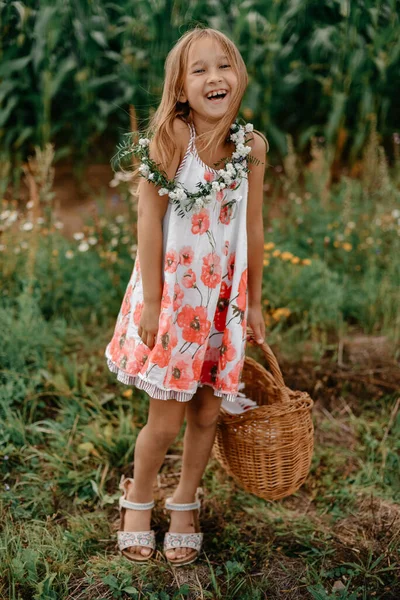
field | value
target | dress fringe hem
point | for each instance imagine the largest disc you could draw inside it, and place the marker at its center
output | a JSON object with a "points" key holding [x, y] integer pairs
{"points": [[157, 393]]}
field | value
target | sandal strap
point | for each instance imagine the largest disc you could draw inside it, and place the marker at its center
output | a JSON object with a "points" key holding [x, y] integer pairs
{"points": [[126, 539], [135, 505], [183, 540], [189, 506]]}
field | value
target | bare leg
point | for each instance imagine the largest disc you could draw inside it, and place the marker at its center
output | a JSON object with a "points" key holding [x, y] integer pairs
{"points": [[164, 421], [201, 416]]}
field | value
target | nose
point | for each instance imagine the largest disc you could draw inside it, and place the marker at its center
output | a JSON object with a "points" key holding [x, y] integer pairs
{"points": [[215, 75]]}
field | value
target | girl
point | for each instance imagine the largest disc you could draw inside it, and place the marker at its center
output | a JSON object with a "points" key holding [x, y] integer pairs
{"points": [[181, 330]]}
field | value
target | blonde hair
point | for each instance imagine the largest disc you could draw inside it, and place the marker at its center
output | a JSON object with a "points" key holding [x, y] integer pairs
{"points": [[160, 125]]}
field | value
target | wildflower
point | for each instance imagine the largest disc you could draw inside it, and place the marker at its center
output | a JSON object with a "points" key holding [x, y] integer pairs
{"points": [[59, 225], [83, 247], [346, 246], [24, 245], [69, 254], [40, 220], [114, 242], [5, 214], [119, 219], [336, 243], [92, 240], [2, 247], [162, 192], [265, 262], [306, 261], [125, 239], [144, 169], [280, 313], [127, 393], [286, 255], [276, 253], [55, 252], [395, 213], [28, 226], [248, 127], [295, 260], [144, 142], [351, 225], [30, 204], [79, 236], [17, 250], [269, 246]]}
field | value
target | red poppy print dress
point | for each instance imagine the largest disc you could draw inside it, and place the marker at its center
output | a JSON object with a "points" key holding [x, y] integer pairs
{"points": [[201, 337]]}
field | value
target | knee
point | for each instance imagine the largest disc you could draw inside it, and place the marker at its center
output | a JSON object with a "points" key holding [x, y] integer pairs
{"points": [[163, 433], [204, 418]]}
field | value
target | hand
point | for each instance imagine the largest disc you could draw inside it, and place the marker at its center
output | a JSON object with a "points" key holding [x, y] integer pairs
{"points": [[255, 321], [148, 324]]}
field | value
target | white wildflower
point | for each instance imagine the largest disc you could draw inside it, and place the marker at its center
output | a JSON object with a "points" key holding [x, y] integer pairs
{"points": [[162, 192], [151, 176], [83, 247], [30, 204], [59, 225], [40, 220], [5, 214], [395, 213], [78, 236], [92, 240], [24, 245], [351, 225], [114, 242], [199, 203], [216, 186], [144, 142], [17, 250], [248, 127], [119, 219], [69, 254], [27, 226], [2, 247]]}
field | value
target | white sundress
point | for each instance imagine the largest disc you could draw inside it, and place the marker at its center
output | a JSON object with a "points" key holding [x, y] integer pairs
{"points": [[201, 337]]}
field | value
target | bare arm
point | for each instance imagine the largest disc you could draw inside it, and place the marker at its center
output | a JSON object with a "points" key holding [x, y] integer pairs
{"points": [[255, 238], [151, 211]]}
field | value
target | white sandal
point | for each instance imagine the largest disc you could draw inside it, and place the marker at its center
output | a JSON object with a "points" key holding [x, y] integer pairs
{"points": [[126, 539], [184, 540]]}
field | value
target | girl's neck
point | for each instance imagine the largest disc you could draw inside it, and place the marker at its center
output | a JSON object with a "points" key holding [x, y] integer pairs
{"points": [[203, 127]]}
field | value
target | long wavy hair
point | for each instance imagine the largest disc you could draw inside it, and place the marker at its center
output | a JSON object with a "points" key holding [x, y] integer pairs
{"points": [[170, 107]]}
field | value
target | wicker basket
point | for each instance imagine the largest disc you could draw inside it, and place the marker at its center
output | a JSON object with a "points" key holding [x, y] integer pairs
{"points": [[267, 450]]}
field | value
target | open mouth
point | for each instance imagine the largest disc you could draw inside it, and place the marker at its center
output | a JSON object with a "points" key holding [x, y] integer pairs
{"points": [[218, 97]]}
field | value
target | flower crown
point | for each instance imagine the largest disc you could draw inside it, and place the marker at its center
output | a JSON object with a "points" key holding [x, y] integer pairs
{"points": [[184, 201]]}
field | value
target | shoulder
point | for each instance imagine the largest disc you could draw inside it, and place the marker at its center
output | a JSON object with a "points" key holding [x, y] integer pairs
{"points": [[181, 134], [259, 148]]}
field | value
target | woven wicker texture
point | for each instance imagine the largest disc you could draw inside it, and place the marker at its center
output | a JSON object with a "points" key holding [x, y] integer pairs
{"points": [[267, 450]]}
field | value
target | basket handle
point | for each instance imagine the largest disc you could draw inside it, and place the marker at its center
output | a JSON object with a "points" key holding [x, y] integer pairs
{"points": [[273, 365]]}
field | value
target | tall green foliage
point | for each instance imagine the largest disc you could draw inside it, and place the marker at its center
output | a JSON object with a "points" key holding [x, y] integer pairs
{"points": [[69, 69]]}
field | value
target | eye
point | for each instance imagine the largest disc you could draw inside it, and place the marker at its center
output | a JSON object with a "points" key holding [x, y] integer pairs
{"points": [[223, 66], [198, 70]]}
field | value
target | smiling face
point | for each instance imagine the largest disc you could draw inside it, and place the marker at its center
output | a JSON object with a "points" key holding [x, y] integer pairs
{"points": [[208, 71]]}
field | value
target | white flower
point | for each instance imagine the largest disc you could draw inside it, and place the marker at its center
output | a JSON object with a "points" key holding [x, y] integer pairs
{"points": [[92, 240], [114, 242], [151, 176], [395, 213], [24, 245], [162, 192], [119, 219], [17, 250], [59, 225], [30, 204], [144, 169], [125, 239], [172, 194], [83, 246], [199, 203], [5, 214], [69, 254], [79, 236], [27, 226], [248, 127], [40, 220], [2, 247], [216, 186], [144, 142]]}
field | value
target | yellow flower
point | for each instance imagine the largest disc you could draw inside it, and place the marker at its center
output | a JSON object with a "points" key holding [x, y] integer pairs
{"points": [[266, 262], [267, 255], [280, 313], [269, 246], [347, 246], [127, 393], [266, 301], [55, 252], [276, 253], [295, 260], [248, 113], [336, 244], [286, 255], [306, 261]]}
